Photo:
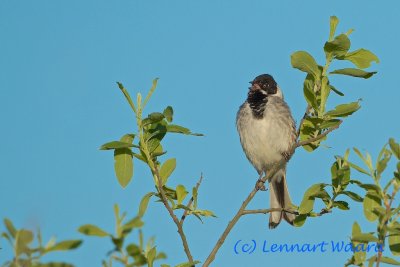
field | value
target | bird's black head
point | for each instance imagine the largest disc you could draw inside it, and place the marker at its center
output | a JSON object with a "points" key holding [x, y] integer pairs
{"points": [[266, 83]]}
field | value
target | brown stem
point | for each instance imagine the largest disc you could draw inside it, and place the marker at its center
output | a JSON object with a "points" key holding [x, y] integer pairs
{"points": [[266, 211], [191, 200], [173, 216], [271, 172]]}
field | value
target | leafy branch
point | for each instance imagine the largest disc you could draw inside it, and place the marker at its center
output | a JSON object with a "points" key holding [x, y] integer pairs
{"points": [[380, 206], [315, 125], [27, 254], [133, 254], [151, 130]]}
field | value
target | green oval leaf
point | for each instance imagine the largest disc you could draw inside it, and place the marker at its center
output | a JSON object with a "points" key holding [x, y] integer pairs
{"points": [[115, 145], [334, 21], [155, 117], [305, 62], [394, 243], [173, 128], [300, 220], [371, 201], [65, 245], [166, 169], [181, 193], [395, 147], [364, 238], [123, 165], [10, 227], [362, 58], [389, 261], [354, 72], [168, 113], [338, 47], [352, 195], [144, 203], [344, 110], [92, 230]]}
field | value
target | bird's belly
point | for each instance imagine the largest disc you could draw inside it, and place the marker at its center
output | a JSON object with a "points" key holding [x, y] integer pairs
{"points": [[263, 142]]}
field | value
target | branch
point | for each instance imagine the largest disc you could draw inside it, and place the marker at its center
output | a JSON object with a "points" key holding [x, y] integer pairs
{"points": [[266, 211], [173, 216], [191, 201], [318, 137], [270, 174]]}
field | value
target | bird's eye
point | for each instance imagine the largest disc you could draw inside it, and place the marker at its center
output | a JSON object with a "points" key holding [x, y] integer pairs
{"points": [[264, 85]]}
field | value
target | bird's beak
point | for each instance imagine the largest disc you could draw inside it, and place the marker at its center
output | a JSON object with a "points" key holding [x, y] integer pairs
{"points": [[255, 86]]}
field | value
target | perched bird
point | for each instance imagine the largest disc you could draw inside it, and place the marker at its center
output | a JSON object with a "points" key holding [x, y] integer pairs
{"points": [[267, 132]]}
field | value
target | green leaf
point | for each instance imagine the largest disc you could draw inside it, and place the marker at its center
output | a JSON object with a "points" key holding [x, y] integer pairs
{"points": [[344, 110], [352, 195], [92, 230], [338, 47], [371, 187], [364, 238], [144, 203], [172, 128], [65, 245], [325, 90], [329, 123], [305, 62], [388, 260], [22, 239], [356, 229], [181, 193], [394, 243], [155, 117], [395, 147], [334, 21], [127, 96], [133, 250], [354, 72], [333, 88], [10, 227], [53, 264], [307, 204], [206, 213], [194, 196], [358, 168], [115, 145], [168, 113], [187, 264], [151, 255], [151, 91], [166, 169], [309, 94], [300, 220], [362, 58], [371, 201], [123, 165], [133, 223], [343, 205]]}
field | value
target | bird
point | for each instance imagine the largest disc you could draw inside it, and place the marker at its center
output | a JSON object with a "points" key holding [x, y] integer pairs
{"points": [[267, 133]]}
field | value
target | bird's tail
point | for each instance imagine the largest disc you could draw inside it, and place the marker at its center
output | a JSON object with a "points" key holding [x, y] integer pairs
{"points": [[279, 198]]}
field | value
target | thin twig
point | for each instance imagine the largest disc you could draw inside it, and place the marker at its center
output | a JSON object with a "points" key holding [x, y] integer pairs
{"points": [[266, 211], [173, 216], [270, 174], [318, 137], [191, 200]]}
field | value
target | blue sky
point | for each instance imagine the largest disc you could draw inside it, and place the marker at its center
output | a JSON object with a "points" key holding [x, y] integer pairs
{"points": [[59, 102]]}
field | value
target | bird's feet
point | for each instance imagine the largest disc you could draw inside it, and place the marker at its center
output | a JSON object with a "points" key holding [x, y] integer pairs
{"points": [[260, 185]]}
